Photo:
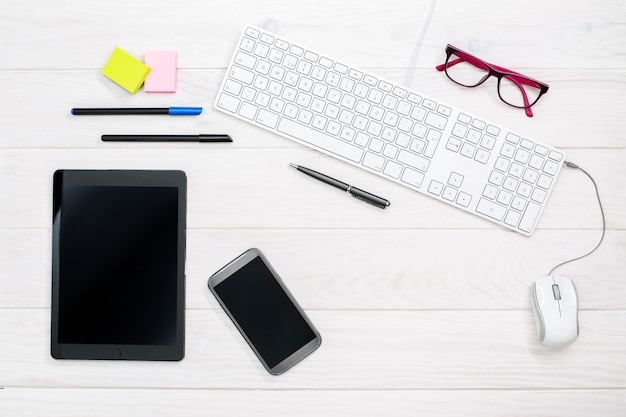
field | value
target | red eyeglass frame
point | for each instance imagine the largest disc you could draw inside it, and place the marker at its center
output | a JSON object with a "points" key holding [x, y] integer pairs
{"points": [[497, 71]]}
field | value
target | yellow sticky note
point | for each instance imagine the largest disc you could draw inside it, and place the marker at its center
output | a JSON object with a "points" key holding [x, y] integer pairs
{"points": [[125, 70]]}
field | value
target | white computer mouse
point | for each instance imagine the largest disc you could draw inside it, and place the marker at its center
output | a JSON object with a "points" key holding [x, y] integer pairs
{"points": [[555, 306]]}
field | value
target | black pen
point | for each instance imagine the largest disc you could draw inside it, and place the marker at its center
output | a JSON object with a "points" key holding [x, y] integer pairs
{"points": [[166, 138], [172, 111], [355, 192]]}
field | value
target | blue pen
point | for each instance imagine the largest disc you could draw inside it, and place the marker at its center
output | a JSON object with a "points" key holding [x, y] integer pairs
{"points": [[172, 111]]}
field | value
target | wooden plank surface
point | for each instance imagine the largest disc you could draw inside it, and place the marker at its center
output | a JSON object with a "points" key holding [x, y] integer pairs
{"points": [[423, 309]]}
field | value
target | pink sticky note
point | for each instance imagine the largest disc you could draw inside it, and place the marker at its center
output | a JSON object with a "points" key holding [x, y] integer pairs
{"points": [[162, 77]]}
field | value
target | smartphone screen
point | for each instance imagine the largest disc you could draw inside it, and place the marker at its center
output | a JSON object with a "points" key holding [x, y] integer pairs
{"points": [[264, 311]]}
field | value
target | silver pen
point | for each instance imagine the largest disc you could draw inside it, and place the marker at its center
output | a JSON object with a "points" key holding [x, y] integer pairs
{"points": [[355, 192]]}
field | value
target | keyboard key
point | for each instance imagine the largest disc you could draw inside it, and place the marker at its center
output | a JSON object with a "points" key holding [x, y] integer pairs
{"points": [[385, 86], [400, 92], [247, 44], [376, 145], [252, 32], [507, 150], [429, 104], [544, 181], [464, 118], [432, 140], [357, 75], [435, 187], [436, 121], [241, 74], [373, 161], [413, 177], [541, 150], [267, 38], [368, 79], [513, 138], [248, 110], [449, 193], [320, 140], [482, 156], [228, 102], [512, 218], [261, 50], [340, 68], [414, 98], [479, 124], [468, 150], [245, 60], [502, 164], [522, 156], [496, 178], [550, 167], [474, 136], [455, 179], [325, 62], [454, 144], [529, 217], [490, 191], [493, 130], [538, 195], [282, 44], [413, 160], [524, 189], [491, 209], [459, 130], [557, 156], [444, 110], [311, 56], [527, 144], [296, 50], [536, 162], [393, 169], [417, 145], [504, 197], [518, 203], [488, 142], [232, 87], [464, 199], [267, 118], [530, 175]]}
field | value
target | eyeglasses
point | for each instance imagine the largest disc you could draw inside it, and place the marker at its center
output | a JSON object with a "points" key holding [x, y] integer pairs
{"points": [[514, 89]]}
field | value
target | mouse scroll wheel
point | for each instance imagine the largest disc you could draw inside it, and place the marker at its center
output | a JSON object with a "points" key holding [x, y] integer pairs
{"points": [[556, 291]]}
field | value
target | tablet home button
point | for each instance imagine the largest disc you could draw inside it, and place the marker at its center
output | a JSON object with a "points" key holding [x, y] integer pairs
{"points": [[116, 353]]}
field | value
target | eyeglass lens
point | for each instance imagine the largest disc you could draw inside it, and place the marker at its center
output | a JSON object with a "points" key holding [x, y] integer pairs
{"points": [[510, 89]]}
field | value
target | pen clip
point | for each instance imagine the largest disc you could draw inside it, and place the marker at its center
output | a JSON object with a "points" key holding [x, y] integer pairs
{"points": [[368, 197]]}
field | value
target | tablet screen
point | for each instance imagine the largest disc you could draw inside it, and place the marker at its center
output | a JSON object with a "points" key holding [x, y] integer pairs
{"points": [[118, 274]]}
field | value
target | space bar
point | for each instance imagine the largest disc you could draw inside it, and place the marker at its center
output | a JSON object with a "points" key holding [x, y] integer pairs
{"points": [[320, 140]]}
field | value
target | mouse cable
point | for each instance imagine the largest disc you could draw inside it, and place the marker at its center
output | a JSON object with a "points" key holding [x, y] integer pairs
{"points": [[573, 165]]}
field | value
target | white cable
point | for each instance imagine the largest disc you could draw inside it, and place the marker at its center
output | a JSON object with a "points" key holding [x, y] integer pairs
{"points": [[418, 45], [573, 165]]}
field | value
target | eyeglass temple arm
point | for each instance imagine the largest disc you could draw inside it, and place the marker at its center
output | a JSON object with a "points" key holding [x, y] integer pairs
{"points": [[527, 109]]}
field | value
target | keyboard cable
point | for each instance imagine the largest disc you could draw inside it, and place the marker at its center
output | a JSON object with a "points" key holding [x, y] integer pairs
{"points": [[418, 44], [573, 165]]}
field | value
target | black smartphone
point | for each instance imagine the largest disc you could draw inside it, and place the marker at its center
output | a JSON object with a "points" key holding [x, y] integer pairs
{"points": [[264, 311]]}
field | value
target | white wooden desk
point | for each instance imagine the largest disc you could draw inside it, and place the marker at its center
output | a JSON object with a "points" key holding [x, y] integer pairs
{"points": [[424, 309]]}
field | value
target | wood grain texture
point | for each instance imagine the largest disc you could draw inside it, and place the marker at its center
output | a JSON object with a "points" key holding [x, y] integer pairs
{"points": [[423, 309], [312, 403], [361, 349]]}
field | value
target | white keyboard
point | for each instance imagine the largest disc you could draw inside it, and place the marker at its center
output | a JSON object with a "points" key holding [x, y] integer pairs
{"points": [[382, 127]]}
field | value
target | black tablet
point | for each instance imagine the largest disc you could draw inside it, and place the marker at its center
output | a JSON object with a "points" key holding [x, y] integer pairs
{"points": [[118, 264]]}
